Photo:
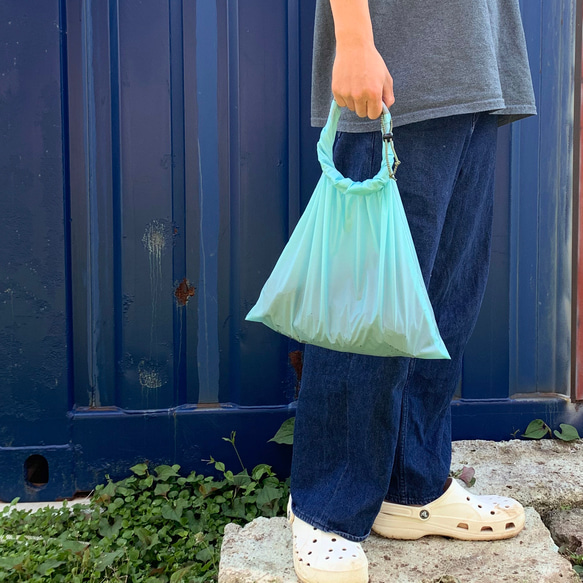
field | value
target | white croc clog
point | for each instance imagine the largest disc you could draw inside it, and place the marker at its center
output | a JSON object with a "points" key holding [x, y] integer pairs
{"points": [[456, 513], [325, 557]]}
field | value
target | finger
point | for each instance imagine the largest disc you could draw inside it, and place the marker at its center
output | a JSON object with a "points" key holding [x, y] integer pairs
{"points": [[340, 100], [361, 107], [388, 95], [375, 108], [350, 103]]}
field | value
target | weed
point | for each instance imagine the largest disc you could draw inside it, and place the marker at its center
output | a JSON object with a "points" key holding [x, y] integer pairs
{"points": [[155, 526]]}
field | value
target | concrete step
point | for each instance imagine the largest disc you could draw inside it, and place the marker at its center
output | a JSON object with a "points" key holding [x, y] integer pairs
{"points": [[34, 506], [262, 551], [542, 475]]}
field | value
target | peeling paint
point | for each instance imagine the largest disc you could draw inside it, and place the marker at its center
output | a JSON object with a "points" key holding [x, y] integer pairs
{"points": [[157, 239], [150, 374]]}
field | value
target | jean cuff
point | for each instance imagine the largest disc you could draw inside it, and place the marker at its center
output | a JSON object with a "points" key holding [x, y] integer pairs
{"points": [[411, 501], [321, 526]]}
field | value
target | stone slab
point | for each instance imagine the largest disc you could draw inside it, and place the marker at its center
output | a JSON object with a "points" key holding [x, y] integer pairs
{"points": [[566, 527], [261, 552], [545, 474]]}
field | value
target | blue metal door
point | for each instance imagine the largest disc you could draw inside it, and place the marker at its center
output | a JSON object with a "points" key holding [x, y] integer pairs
{"points": [[155, 156]]}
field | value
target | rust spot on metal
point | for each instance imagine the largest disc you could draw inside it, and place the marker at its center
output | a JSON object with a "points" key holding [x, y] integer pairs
{"points": [[296, 359], [183, 292]]}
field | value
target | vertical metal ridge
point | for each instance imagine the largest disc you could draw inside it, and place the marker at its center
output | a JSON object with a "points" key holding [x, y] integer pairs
{"points": [[91, 188], [177, 140], [206, 70], [235, 206], [64, 70], [224, 254], [191, 233], [116, 189], [294, 99], [577, 251]]}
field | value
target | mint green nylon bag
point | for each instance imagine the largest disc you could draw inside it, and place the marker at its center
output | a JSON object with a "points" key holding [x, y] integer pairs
{"points": [[349, 278]]}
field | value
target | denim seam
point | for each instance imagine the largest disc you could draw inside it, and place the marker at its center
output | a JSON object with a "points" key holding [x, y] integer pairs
{"points": [[339, 481], [403, 428], [322, 526]]}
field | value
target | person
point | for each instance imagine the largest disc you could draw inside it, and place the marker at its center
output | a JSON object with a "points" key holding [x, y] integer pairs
{"points": [[372, 443]]}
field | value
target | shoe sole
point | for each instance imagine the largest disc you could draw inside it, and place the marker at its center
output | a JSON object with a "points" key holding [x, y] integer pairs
{"points": [[356, 576], [395, 528]]}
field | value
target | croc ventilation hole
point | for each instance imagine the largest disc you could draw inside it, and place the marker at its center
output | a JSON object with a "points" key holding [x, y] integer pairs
{"points": [[463, 525], [486, 529], [510, 525]]}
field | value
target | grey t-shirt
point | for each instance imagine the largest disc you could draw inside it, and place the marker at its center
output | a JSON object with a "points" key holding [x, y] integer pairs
{"points": [[446, 58]]}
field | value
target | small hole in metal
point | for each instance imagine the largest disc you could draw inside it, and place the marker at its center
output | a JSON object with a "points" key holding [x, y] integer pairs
{"points": [[36, 471]]}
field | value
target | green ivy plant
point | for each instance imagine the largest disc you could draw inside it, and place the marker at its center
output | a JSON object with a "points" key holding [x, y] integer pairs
{"points": [[538, 429], [155, 526], [285, 434]]}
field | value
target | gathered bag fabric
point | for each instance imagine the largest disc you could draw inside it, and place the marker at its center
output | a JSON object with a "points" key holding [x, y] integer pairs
{"points": [[349, 278]]}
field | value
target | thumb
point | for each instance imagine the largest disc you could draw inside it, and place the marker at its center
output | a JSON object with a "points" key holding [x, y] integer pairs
{"points": [[388, 95]]}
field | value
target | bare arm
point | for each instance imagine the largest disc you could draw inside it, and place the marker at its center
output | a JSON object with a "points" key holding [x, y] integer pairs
{"points": [[360, 78]]}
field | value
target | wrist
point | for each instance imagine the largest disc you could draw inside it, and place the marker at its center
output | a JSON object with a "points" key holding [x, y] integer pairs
{"points": [[350, 40]]}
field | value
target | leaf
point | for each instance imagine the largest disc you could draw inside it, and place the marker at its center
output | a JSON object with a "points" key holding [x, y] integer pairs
{"points": [[260, 471], [467, 476], [205, 554], [109, 530], [140, 469], [109, 490], [165, 472], [241, 479], [107, 559], [285, 433], [162, 489], [178, 575], [569, 433], [536, 429], [49, 565], [147, 538], [12, 562], [578, 569], [267, 495], [174, 513]]}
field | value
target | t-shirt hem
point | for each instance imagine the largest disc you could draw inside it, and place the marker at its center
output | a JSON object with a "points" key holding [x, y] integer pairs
{"points": [[494, 106]]}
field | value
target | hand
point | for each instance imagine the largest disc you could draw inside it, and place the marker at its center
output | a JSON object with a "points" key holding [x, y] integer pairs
{"points": [[361, 80]]}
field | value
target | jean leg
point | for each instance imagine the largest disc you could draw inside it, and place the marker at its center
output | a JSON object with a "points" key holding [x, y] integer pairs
{"points": [[456, 289], [346, 419], [351, 408]]}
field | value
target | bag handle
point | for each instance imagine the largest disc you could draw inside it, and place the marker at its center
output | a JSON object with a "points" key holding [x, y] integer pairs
{"points": [[329, 132], [387, 130]]}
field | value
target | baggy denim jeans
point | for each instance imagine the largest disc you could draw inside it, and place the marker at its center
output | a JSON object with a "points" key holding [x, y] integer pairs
{"points": [[372, 428]]}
